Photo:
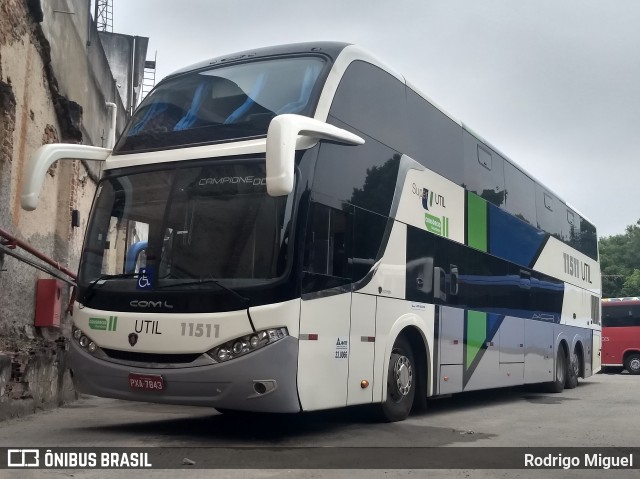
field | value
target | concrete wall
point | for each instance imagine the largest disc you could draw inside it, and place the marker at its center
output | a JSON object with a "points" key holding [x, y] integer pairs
{"points": [[126, 55], [54, 82], [81, 66]]}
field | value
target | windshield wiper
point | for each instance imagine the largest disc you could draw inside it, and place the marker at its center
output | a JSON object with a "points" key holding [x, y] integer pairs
{"points": [[246, 301], [88, 293]]}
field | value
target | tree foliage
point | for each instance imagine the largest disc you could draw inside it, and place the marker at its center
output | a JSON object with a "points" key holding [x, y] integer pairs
{"points": [[620, 263]]}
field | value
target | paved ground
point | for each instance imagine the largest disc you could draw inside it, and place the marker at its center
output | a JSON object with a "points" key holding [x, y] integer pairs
{"points": [[602, 411]]}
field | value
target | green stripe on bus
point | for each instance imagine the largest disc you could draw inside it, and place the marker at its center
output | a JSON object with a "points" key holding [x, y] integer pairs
{"points": [[476, 334], [476, 222], [113, 321]]}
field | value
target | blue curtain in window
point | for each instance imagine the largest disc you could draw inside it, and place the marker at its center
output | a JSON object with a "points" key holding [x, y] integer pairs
{"points": [[153, 111], [310, 76], [190, 118], [244, 108]]}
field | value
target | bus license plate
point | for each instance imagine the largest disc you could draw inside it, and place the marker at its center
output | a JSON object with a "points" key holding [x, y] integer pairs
{"points": [[148, 382]]}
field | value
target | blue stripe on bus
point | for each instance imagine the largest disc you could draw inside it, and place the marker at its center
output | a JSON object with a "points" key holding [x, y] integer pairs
{"points": [[513, 239]]}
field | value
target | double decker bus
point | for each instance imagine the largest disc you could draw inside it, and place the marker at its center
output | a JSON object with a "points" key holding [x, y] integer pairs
{"points": [[298, 228], [621, 334]]}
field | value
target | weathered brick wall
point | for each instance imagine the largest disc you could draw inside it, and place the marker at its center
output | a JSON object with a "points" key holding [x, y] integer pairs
{"points": [[29, 116], [33, 370], [49, 92], [7, 127]]}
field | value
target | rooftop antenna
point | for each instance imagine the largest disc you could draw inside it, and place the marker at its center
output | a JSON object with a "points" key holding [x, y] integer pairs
{"points": [[103, 15]]}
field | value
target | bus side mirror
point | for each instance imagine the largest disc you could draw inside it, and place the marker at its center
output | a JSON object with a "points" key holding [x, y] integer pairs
{"points": [[290, 132], [46, 156]]}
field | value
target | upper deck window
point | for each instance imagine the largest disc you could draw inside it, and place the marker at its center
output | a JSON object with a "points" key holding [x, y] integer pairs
{"points": [[220, 104]]}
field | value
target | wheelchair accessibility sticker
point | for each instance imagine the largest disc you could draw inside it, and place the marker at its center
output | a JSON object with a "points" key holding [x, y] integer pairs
{"points": [[145, 278]]}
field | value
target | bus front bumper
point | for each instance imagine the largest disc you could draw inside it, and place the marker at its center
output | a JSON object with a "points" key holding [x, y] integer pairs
{"points": [[228, 385]]}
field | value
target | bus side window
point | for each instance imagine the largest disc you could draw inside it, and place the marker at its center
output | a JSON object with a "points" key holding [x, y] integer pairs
{"points": [[327, 248], [483, 171], [520, 189], [371, 100], [551, 214], [368, 235]]}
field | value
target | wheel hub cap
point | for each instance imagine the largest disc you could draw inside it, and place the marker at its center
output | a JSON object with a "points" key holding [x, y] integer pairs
{"points": [[404, 375], [635, 364]]}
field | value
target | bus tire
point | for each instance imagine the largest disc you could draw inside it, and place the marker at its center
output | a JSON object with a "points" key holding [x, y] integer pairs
{"points": [[573, 371], [557, 385], [632, 363], [401, 382]]}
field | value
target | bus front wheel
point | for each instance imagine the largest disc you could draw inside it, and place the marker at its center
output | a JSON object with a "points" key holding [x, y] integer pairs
{"points": [[401, 382], [632, 363]]}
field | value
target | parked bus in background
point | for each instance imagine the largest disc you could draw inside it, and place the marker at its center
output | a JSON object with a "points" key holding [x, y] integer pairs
{"points": [[621, 334], [297, 228]]}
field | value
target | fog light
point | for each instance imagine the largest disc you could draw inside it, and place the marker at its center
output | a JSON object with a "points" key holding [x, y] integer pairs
{"points": [[259, 388], [92, 347], [84, 341]]}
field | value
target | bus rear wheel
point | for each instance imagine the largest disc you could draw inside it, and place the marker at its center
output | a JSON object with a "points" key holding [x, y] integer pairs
{"points": [[573, 371], [632, 363], [401, 382], [560, 377]]}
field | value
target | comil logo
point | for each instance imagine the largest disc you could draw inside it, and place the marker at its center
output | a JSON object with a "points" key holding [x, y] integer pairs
{"points": [[23, 458]]}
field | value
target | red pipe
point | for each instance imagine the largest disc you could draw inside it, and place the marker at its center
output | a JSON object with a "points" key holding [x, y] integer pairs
{"points": [[13, 242]]}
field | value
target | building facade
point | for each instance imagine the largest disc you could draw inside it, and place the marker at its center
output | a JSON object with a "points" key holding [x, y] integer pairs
{"points": [[55, 81]]}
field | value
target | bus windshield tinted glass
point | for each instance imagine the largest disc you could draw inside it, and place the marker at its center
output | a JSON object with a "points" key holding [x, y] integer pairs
{"points": [[179, 225], [220, 104]]}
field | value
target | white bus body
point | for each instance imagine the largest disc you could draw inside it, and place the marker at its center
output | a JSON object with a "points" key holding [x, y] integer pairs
{"points": [[297, 228]]}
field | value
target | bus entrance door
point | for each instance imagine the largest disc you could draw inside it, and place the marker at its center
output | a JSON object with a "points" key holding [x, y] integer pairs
{"points": [[361, 349], [323, 359]]}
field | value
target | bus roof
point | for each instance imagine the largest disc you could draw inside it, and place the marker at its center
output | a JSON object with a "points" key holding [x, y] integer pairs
{"points": [[331, 49], [620, 301]]}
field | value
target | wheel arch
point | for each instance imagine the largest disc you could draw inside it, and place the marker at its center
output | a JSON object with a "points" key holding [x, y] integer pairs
{"points": [[629, 352], [414, 329], [563, 343]]}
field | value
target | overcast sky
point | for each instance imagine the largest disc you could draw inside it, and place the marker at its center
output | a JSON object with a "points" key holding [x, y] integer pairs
{"points": [[552, 84]]}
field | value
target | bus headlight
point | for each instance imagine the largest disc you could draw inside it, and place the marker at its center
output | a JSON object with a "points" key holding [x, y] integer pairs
{"points": [[246, 344]]}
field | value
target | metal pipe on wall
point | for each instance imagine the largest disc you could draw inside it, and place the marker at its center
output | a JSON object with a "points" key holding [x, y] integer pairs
{"points": [[13, 241]]}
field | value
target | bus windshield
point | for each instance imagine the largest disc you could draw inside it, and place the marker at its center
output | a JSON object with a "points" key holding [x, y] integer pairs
{"points": [[195, 223], [220, 104]]}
